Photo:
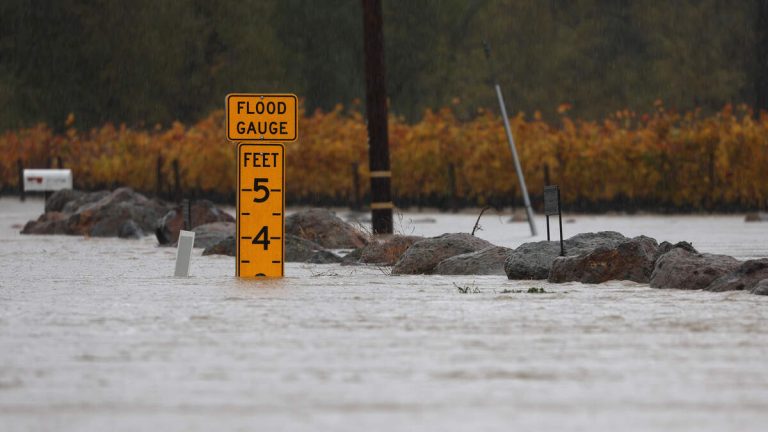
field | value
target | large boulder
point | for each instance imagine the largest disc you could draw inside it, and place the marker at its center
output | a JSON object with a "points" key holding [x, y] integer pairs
{"points": [[534, 260], [682, 269], [387, 251], [324, 228], [121, 211], [747, 276], [632, 260], [488, 261], [209, 234], [201, 212], [425, 255]]}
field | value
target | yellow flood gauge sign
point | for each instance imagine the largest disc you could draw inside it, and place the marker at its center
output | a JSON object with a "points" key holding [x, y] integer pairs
{"points": [[262, 117], [260, 208]]}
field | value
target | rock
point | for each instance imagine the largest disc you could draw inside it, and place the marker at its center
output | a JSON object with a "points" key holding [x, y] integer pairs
{"points": [[388, 251], [534, 260], [209, 234], [225, 246], [59, 199], [632, 260], [100, 214], [747, 276], [488, 261], [201, 212], [425, 255], [88, 198], [666, 246], [324, 257], [756, 217], [519, 215], [129, 229], [324, 228], [682, 268], [298, 249], [761, 288], [352, 258], [48, 223]]}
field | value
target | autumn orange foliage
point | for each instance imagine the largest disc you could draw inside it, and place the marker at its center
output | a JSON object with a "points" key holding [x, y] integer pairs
{"points": [[663, 159]]}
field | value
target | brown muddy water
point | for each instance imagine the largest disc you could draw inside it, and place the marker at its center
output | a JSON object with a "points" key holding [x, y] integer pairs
{"points": [[96, 335]]}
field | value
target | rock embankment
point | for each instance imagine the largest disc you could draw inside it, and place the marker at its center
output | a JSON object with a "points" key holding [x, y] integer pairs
{"points": [[120, 213]]}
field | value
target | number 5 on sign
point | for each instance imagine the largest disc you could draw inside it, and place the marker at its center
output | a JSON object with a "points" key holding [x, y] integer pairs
{"points": [[260, 209]]}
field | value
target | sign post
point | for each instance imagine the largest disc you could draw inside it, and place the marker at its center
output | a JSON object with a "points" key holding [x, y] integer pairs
{"points": [[260, 123], [552, 207]]}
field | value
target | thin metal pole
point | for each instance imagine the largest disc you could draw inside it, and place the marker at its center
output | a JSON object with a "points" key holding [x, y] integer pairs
{"points": [[518, 169], [511, 141]]}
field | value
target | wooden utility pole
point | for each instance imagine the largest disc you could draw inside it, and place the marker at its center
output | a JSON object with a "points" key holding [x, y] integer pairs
{"points": [[761, 45], [376, 110]]}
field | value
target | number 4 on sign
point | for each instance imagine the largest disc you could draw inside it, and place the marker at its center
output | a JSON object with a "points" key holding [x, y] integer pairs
{"points": [[262, 238]]}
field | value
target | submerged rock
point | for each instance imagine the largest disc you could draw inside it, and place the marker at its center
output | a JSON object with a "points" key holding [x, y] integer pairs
{"points": [[756, 217], [488, 261], [201, 212], [225, 246], [425, 255], [298, 249], [130, 230], [324, 228], [534, 260], [747, 276], [209, 234], [632, 260], [682, 268]]}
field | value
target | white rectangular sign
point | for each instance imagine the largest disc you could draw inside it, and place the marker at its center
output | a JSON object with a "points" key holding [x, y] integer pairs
{"points": [[44, 180]]}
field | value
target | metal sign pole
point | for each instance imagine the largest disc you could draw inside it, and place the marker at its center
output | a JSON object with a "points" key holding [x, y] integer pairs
{"points": [[511, 141]]}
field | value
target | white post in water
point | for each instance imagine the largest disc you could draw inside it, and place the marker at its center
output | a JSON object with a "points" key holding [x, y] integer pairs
{"points": [[184, 252], [518, 169]]}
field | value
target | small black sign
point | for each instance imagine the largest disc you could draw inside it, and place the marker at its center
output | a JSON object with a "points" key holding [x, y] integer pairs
{"points": [[551, 200]]}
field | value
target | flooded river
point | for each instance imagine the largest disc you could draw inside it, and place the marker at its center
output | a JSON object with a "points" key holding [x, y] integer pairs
{"points": [[95, 335]]}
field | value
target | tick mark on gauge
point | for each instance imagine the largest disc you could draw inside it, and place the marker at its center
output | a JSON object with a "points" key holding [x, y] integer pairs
{"points": [[275, 190], [245, 214], [245, 261], [246, 238], [247, 190], [275, 262], [276, 214]]}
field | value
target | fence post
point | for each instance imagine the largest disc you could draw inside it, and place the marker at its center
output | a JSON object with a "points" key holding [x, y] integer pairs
{"points": [[176, 181], [159, 177], [20, 166], [355, 186], [453, 200]]}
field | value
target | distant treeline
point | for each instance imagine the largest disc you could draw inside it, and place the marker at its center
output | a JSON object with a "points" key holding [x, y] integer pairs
{"points": [[144, 62], [661, 161]]}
